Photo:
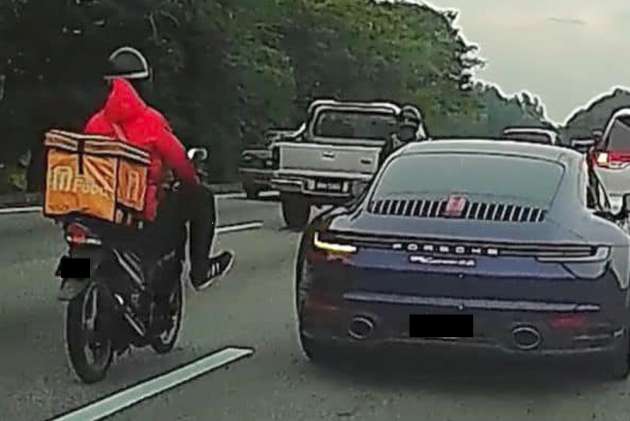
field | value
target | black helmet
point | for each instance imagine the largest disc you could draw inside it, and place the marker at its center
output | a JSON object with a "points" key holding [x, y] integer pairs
{"points": [[411, 126], [128, 63], [410, 116]]}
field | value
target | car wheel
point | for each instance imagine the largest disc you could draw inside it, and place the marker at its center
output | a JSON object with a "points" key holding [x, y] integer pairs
{"points": [[295, 210], [88, 343], [620, 359], [315, 352]]}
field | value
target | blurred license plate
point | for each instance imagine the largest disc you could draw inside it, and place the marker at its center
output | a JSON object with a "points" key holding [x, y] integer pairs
{"points": [[328, 186], [441, 326], [73, 267]]}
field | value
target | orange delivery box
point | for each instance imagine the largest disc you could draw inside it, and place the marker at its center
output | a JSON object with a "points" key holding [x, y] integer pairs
{"points": [[94, 176]]}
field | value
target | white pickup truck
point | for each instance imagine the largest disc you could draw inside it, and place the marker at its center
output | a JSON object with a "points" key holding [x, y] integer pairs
{"points": [[531, 134], [333, 159], [255, 167]]}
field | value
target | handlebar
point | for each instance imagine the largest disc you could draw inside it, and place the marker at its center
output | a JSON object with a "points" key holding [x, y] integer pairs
{"points": [[197, 156]]}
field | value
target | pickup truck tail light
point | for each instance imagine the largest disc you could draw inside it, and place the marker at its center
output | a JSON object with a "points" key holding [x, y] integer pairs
{"points": [[275, 157]]}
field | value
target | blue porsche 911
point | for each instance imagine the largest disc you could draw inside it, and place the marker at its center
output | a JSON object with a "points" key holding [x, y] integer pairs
{"points": [[477, 243]]}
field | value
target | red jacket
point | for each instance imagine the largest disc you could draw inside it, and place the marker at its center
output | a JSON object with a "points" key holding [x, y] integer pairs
{"points": [[146, 128]]}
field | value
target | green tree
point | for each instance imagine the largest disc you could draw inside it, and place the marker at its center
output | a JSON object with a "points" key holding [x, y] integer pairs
{"points": [[595, 115], [227, 70]]}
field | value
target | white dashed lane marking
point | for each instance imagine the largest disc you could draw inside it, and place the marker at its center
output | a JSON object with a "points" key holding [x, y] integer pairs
{"points": [[133, 395]]}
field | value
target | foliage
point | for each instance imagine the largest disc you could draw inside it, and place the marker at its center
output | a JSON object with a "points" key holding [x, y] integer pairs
{"points": [[498, 111], [227, 70], [595, 115]]}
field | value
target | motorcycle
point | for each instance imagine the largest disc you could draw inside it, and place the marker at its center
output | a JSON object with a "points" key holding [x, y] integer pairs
{"points": [[118, 296]]}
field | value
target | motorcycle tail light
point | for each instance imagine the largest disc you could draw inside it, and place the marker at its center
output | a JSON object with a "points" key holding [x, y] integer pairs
{"points": [[78, 234], [275, 157]]}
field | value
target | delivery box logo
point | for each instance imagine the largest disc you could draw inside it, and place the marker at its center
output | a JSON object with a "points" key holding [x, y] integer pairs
{"points": [[68, 190]]}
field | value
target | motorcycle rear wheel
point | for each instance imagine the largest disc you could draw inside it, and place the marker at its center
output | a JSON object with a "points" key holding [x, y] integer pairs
{"points": [[166, 341], [88, 346]]}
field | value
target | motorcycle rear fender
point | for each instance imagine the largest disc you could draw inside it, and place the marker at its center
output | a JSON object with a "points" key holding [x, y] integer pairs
{"points": [[71, 287]]}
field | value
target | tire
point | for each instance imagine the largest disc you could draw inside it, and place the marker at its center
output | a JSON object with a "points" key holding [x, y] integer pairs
{"points": [[77, 335], [313, 351], [620, 358], [251, 192], [295, 210], [165, 343]]}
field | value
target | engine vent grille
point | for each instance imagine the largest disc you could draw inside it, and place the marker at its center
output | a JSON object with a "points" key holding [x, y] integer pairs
{"points": [[483, 211]]}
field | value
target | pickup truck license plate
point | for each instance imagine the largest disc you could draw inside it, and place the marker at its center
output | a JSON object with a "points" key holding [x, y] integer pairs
{"points": [[329, 186]]}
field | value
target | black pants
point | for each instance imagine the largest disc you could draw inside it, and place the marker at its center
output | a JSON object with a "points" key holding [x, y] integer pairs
{"points": [[195, 205], [201, 214]]}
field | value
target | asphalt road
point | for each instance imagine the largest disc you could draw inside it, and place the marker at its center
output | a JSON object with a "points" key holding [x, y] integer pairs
{"points": [[252, 307]]}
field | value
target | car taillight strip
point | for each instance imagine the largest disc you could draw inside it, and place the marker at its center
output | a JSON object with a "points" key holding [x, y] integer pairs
{"points": [[443, 247]]}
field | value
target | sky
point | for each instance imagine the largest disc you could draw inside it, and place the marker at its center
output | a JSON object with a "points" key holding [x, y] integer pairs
{"points": [[567, 52]]}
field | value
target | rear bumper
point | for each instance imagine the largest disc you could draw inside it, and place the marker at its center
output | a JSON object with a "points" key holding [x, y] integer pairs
{"points": [[257, 177], [493, 329], [334, 294], [305, 186]]}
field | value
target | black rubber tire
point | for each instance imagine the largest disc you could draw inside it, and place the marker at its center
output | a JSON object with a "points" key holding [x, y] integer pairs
{"points": [[296, 211], [315, 352], [251, 191], [620, 358], [164, 346], [75, 340], [312, 350]]}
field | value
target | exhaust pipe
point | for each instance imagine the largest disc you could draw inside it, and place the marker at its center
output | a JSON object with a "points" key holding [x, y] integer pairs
{"points": [[360, 328], [526, 338]]}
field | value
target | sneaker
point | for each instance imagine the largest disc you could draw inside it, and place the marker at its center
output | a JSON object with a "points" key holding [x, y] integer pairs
{"points": [[219, 266]]}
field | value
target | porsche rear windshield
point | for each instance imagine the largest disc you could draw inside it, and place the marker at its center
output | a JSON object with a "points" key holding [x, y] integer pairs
{"points": [[354, 125], [503, 177]]}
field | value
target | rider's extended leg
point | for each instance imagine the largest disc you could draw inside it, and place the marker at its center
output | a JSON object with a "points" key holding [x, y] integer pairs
{"points": [[202, 217]]}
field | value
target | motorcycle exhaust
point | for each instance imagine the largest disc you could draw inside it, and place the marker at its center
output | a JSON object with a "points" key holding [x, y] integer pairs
{"points": [[360, 328], [526, 338]]}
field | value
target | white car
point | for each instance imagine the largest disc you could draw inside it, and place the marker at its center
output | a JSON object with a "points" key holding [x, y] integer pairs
{"points": [[611, 155]]}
